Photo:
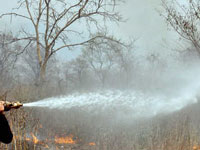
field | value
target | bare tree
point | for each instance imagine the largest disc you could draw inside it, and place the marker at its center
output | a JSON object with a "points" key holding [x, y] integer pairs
{"points": [[75, 74], [125, 61], [69, 77], [184, 18], [100, 56], [55, 24], [79, 66], [8, 57], [29, 63]]}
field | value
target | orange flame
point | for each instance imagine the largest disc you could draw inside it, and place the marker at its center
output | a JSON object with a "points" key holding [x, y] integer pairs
{"points": [[28, 139], [92, 144], [65, 140], [35, 140], [196, 147]]}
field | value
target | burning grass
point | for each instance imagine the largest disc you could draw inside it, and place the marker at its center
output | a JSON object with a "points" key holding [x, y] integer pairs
{"points": [[58, 142], [79, 131], [65, 140]]}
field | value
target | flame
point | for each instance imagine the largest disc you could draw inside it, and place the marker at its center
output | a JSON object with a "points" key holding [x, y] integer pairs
{"points": [[196, 147], [92, 144], [16, 137], [35, 140], [28, 139], [65, 140]]}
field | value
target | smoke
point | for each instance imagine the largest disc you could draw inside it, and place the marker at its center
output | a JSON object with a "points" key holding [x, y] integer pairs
{"points": [[112, 112], [157, 91]]}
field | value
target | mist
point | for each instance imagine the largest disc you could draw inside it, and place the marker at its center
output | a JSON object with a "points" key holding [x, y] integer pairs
{"points": [[157, 92], [102, 83]]}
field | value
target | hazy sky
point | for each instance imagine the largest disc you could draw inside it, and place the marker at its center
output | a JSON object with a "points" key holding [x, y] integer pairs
{"points": [[144, 23]]}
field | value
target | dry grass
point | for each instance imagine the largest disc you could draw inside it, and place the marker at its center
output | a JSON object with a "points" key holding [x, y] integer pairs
{"points": [[177, 131]]}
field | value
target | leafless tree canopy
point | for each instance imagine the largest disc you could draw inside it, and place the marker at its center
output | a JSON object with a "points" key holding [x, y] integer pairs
{"points": [[62, 24], [8, 56], [184, 18]]}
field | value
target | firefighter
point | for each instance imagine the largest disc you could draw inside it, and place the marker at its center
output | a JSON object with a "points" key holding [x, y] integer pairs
{"points": [[5, 132]]}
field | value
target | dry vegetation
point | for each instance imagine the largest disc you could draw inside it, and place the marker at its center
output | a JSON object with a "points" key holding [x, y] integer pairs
{"points": [[30, 70], [74, 129]]}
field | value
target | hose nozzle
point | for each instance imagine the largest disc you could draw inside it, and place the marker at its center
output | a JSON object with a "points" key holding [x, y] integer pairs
{"points": [[10, 105]]}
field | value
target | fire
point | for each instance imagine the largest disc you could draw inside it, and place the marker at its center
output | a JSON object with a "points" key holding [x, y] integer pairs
{"points": [[92, 144], [28, 139], [35, 140], [65, 140], [196, 147]]}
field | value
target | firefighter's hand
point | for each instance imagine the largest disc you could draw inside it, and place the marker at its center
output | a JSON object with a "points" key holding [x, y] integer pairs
{"points": [[1, 106]]}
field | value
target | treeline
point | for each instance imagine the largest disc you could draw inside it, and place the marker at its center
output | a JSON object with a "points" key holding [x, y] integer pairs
{"points": [[100, 65]]}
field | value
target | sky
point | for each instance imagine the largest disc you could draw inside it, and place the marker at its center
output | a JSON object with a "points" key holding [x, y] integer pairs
{"points": [[143, 23]]}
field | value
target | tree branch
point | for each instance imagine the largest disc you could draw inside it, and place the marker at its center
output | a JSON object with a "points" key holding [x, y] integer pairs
{"points": [[15, 14]]}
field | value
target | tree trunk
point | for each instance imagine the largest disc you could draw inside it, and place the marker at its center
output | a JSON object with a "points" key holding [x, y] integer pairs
{"points": [[43, 73]]}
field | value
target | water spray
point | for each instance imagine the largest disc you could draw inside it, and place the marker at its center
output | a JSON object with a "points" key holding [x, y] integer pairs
{"points": [[11, 105], [135, 104]]}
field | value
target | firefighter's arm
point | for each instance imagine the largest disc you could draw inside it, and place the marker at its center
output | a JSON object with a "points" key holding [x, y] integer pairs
{"points": [[1, 106]]}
